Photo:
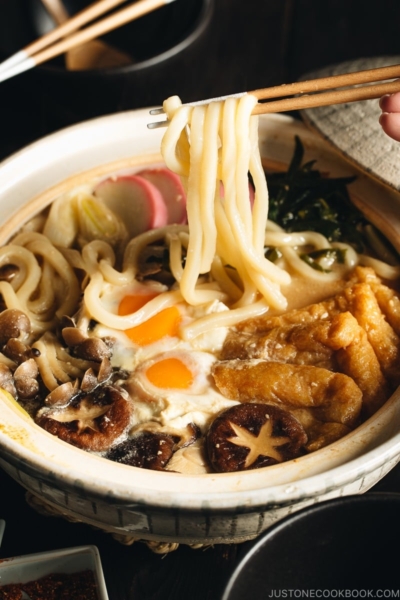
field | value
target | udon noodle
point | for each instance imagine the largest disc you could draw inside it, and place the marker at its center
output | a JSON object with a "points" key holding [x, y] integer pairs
{"points": [[223, 149]]}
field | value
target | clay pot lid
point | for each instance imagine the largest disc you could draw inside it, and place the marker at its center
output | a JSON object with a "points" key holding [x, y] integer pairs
{"points": [[353, 128]]}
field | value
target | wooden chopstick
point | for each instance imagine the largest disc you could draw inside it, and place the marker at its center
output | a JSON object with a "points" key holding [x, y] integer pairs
{"points": [[72, 24], [367, 92], [42, 50], [321, 90], [327, 83], [324, 95]]}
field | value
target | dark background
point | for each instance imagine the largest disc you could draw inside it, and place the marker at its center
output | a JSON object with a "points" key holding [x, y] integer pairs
{"points": [[249, 44]]}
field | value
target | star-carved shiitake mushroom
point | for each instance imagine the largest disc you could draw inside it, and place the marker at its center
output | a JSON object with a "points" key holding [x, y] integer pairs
{"points": [[253, 435], [90, 421]]}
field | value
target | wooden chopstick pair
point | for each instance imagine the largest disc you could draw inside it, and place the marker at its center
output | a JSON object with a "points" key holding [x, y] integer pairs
{"points": [[45, 48], [316, 92]]}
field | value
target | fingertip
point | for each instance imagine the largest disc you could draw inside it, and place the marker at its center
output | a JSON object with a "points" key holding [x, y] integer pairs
{"points": [[390, 123], [383, 101], [390, 103], [383, 117]]}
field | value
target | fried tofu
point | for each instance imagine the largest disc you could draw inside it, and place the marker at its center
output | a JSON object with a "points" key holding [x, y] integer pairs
{"points": [[296, 344], [389, 303], [310, 343], [363, 304], [322, 434], [311, 313], [286, 359], [332, 396]]}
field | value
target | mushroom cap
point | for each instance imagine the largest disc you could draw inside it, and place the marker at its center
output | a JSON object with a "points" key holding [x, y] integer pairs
{"points": [[13, 324], [92, 421]]}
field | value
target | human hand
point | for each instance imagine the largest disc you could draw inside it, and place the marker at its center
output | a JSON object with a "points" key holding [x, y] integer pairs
{"points": [[390, 117]]}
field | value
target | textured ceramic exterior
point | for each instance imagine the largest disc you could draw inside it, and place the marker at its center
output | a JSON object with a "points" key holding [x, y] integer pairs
{"points": [[171, 507]]}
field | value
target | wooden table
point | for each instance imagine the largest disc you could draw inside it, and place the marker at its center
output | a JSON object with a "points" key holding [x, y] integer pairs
{"points": [[251, 43]]}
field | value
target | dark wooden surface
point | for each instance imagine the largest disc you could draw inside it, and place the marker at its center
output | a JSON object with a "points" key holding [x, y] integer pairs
{"points": [[250, 44]]}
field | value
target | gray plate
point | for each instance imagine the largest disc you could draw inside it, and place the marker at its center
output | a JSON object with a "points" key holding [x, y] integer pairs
{"points": [[353, 128]]}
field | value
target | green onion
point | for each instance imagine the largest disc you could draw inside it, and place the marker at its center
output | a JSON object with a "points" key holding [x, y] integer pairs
{"points": [[272, 254], [330, 255], [98, 222]]}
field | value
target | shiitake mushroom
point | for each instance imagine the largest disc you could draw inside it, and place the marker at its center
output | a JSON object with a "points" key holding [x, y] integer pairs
{"points": [[253, 435]]}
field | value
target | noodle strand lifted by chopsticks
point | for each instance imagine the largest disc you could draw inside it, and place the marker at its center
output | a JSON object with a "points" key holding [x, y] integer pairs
{"points": [[213, 148]]}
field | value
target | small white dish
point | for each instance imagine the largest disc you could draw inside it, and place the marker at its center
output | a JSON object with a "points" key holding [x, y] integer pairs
{"points": [[31, 567]]}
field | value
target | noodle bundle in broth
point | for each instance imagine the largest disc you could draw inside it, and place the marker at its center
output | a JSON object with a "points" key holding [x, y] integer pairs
{"points": [[192, 347]]}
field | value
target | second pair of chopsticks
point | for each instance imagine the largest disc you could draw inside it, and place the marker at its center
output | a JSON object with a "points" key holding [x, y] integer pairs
{"points": [[45, 48], [316, 92]]}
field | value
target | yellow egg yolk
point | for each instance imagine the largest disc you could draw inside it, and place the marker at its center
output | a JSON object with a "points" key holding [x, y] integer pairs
{"points": [[130, 304], [170, 373], [164, 323]]}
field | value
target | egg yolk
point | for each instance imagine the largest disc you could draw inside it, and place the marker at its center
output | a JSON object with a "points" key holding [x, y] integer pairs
{"points": [[170, 373], [164, 323], [130, 304]]}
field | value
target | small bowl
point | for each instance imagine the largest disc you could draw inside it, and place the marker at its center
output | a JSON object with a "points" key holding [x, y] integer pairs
{"points": [[343, 544], [140, 504], [31, 567], [163, 43]]}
